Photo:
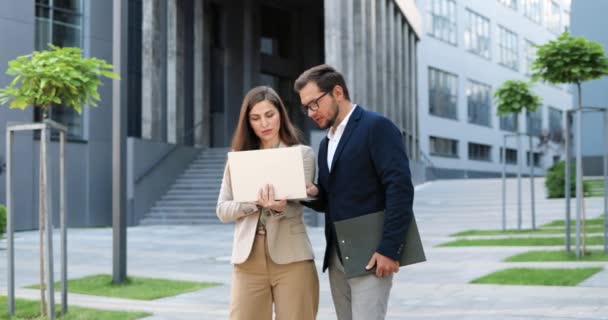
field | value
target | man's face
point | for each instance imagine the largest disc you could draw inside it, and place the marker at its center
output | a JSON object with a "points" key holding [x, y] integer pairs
{"points": [[325, 104]]}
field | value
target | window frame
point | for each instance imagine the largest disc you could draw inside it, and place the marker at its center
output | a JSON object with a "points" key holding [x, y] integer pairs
{"points": [[438, 80], [449, 22], [51, 36], [474, 37]]}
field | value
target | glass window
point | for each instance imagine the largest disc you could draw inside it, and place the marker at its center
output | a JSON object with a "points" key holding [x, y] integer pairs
{"points": [[534, 122], [530, 52], [566, 20], [509, 3], [479, 103], [477, 34], [552, 16], [532, 10], [443, 93], [511, 156], [60, 22], [509, 123], [480, 152], [444, 147], [538, 156], [507, 44], [555, 124], [442, 20]]}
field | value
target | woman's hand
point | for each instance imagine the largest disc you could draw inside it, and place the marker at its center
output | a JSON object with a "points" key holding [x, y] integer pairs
{"points": [[312, 190], [266, 199]]}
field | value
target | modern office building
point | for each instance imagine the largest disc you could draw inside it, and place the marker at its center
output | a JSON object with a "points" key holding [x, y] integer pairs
{"points": [[588, 21], [468, 49], [189, 63]]}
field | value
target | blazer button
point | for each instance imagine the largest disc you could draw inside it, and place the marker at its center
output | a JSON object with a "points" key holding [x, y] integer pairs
{"points": [[346, 258]]}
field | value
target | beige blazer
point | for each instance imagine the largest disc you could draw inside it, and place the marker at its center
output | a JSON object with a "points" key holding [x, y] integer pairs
{"points": [[286, 234]]}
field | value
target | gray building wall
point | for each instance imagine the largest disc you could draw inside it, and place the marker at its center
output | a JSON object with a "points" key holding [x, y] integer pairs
{"points": [[455, 59], [589, 21]]}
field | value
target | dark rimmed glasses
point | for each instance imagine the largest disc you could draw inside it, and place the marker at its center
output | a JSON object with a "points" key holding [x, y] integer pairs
{"points": [[313, 105]]}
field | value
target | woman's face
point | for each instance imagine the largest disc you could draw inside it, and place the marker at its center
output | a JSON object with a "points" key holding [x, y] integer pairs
{"points": [[265, 120]]}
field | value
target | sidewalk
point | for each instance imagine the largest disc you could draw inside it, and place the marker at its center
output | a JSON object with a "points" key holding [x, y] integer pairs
{"points": [[436, 289]]}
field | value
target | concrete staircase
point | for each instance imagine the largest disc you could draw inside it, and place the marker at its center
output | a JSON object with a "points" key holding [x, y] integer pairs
{"points": [[193, 196]]}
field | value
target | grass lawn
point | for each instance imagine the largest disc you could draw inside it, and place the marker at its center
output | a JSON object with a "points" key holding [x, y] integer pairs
{"points": [[590, 229], [542, 256], [134, 288], [562, 223], [30, 310], [595, 240], [542, 277]]}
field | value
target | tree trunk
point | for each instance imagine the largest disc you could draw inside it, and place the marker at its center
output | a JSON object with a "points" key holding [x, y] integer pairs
{"points": [[41, 231], [41, 211]]}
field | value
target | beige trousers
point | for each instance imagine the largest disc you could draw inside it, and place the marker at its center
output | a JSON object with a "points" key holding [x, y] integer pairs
{"points": [[258, 282]]}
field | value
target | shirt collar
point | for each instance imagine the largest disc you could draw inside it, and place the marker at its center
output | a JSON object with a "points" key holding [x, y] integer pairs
{"points": [[342, 125]]}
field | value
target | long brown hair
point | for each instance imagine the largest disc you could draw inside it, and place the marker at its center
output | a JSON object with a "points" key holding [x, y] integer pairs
{"points": [[244, 137]]}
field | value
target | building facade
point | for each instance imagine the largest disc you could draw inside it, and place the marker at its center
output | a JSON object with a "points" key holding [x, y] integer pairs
{"points": [[588, 22], [469, 49], [189, 65]]}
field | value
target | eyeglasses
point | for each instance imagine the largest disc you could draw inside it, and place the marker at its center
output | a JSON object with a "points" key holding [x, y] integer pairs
{"points": [[313, 105]]}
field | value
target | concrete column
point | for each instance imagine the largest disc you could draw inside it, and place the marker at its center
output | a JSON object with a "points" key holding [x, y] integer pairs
{"points": [[372, 75], [175, 67], [201, 79], [333, 34], [381, 55], [407, 78], [360, 53], [390, 20], [249, 39], [414, 94], [348, 43], [152, 69], [400, 86]]}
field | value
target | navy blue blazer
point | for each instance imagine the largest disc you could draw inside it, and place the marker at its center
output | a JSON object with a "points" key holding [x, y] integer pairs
{"points": [[370, 172]]}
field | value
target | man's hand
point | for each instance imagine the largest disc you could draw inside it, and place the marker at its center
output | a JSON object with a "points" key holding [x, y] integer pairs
{"points": [[385, 266], [266, 199], [312, 190]]}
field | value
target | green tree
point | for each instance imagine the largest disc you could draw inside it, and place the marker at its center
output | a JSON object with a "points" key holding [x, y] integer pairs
{"points": [[569, 59], [55, 76], [515, 96], [574, 60], [2, 219]]}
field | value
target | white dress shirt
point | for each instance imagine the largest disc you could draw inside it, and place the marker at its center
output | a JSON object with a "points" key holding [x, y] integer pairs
{"points": [[335, 136]]}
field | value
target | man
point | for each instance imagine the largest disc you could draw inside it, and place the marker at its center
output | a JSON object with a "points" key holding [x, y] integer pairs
{"points": [[363, 168]]}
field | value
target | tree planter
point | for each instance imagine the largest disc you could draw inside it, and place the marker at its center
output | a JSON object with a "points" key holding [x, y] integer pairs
{"points": [[42, 79]]}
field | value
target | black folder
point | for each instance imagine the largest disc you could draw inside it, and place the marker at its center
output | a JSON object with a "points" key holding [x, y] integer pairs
{"points": [[359, 238]]}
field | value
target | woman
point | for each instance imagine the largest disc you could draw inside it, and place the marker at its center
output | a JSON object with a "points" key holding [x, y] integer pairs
{"points": [[272, 255]]}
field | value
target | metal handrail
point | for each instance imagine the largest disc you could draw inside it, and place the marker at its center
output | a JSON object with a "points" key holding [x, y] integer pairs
{"points": [[430, 165], [160, 160]]}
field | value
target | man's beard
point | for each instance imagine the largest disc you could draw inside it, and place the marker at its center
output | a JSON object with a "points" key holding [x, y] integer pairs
{"points": [[330, 122]]}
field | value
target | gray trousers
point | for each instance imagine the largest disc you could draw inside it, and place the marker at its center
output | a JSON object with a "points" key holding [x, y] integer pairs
{"points": [[361, 298]]}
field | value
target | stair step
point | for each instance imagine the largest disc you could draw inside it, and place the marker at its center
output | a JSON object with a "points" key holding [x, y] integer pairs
{"points": [[190, 197], [165, 222], [200, 210], [182, 215]]}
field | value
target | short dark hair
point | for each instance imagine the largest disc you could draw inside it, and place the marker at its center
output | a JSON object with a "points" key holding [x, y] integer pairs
{"points": [[325, 76]]}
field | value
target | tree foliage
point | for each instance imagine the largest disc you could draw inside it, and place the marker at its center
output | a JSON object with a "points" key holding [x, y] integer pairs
{"points": [[513, 96], [569, 59], [55, 76]]}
